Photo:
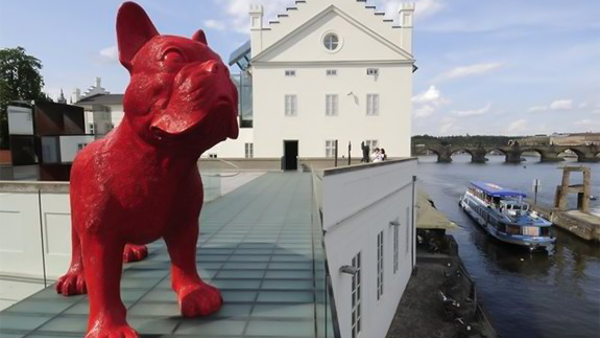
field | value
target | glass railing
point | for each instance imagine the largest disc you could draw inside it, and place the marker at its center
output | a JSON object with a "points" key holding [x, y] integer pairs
{"points": [[324, 305]]}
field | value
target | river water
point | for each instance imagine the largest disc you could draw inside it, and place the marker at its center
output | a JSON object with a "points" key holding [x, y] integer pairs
{"points": [[549, 295]]}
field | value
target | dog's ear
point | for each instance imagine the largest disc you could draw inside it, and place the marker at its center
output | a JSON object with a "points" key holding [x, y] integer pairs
{"points": [[200, 37], [134, 29]]}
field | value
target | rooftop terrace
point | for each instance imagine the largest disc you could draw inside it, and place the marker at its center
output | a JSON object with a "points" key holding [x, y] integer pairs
{"points": [[256, 244]]}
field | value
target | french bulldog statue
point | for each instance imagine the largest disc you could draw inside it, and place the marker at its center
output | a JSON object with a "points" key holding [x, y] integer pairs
{"points": [[141, 181]]}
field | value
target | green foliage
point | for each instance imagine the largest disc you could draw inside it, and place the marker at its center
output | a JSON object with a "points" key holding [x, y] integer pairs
{"points": [[468, 140], [20, 79]]}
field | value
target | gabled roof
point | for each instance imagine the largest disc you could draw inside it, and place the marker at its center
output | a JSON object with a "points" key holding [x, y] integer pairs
{"points": [[103, 99], [323, 14]]}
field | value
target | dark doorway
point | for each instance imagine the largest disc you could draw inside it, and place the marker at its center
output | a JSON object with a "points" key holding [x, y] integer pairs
{"points": [[290, 155]]}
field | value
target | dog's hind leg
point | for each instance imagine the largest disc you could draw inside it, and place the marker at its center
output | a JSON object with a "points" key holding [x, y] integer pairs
{"points": [[73, 282], [134, 253]]}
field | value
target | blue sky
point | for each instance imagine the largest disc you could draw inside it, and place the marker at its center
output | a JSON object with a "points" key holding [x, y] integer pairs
{"points": [[485, 67]]}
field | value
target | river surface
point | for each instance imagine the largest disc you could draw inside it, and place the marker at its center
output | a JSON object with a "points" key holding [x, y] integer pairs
{"points": [[550, 295]]}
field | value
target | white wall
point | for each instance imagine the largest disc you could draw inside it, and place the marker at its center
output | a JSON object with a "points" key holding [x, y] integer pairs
{"points": [[233, 148], [20, 121], [26, 241], [392, 127], [357, 205]]}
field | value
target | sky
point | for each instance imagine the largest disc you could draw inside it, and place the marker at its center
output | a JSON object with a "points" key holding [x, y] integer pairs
{"points": [[512, 67]]}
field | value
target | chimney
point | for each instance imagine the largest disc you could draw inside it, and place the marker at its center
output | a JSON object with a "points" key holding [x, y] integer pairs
{"points": [[98, 81], [406, 22], [76, 95], [256, 28]]}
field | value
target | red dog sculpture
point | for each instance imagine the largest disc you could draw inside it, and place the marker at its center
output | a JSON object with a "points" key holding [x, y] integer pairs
{"points": [[141, 181]]}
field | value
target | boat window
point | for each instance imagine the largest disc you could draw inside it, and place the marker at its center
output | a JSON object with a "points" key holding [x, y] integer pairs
{"points": [[513, 230]]}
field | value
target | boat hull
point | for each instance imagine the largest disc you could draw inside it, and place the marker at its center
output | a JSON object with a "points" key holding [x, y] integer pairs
{"points": [[530, 242]]}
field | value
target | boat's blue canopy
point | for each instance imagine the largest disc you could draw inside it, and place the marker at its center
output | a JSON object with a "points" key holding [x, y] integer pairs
{"points": [[494, 190]]}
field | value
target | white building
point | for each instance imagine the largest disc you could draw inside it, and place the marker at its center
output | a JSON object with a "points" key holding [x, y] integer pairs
{"points": [[325, 70], [331, 70]]}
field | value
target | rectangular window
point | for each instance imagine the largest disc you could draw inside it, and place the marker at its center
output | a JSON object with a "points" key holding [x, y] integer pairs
{"points": [[330, 148], [290, 73], [291, 105], [249, 150], [331, 72], [356, 299], [396, 244], [372, 71], [80, 146], [379, 265], [407, 229], [92, 128], [331, 104], [372, 104], [372, 144]]}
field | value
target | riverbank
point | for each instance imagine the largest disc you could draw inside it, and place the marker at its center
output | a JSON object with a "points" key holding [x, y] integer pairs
{"points": [[526, 294], [441, 298]]}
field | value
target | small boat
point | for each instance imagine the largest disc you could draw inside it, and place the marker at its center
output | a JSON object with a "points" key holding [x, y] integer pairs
{"points": [[506, 216]]}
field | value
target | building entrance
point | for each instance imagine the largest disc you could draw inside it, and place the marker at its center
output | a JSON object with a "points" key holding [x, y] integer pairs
{"points": [[290, 155]]}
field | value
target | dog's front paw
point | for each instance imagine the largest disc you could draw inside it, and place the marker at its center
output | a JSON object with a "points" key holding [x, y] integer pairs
{"points": [[134, 253], [106, 331], [199, 300], [73, 283]]}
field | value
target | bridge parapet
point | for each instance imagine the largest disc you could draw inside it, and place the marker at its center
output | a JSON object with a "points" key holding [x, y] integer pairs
{"points": [[513, 153]]}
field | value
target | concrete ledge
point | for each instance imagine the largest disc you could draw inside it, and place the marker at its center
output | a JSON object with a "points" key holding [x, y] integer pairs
{"points": [[34, 186], [363, 166]]}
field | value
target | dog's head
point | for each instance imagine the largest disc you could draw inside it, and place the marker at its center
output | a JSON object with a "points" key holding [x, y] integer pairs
{"points": [[180, 92]]}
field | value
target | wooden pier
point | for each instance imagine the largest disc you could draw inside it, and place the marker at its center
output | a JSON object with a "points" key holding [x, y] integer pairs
{"points": [[579, 221]]}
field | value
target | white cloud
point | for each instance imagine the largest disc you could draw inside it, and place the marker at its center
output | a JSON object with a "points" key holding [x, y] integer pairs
{"points": [[556, 105], [471, 70], [427, 102], [517, 126], [561, 105], [423, 8], [110, 54], [475, 112], [215, 24], [588, 123]]}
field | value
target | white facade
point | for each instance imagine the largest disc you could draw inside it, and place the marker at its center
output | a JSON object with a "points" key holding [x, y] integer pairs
{"points": [[369, 213], [366, 44]]}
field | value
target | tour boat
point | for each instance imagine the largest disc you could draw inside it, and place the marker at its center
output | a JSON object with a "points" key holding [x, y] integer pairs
{"points": [[505, 215]]}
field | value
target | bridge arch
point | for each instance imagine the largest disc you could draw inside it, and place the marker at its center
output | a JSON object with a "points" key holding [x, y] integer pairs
{"points": [[580, 155], [458, 151], [424, 151], [546, 155]]}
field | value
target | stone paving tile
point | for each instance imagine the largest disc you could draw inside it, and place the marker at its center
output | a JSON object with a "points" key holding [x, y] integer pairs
{"points": [[255, 245]]}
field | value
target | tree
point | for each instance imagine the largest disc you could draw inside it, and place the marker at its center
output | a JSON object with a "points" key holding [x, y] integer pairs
{"points": [[20, 79]]}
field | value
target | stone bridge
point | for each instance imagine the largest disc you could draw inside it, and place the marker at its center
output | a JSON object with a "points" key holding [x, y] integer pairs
{"points": [[513, 154]]}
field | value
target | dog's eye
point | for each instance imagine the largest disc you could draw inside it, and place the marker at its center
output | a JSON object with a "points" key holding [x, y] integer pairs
{"points": [[172, 56]]}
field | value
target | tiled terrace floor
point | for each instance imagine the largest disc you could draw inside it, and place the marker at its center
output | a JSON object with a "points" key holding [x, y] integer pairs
{"points": [[255, 245]]}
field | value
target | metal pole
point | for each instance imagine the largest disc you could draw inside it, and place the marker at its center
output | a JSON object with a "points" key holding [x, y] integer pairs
{"points": [[349, 153], [336, 153]]}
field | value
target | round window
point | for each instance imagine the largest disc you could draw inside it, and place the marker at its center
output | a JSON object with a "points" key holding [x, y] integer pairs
{"points": [[331, 41]]}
